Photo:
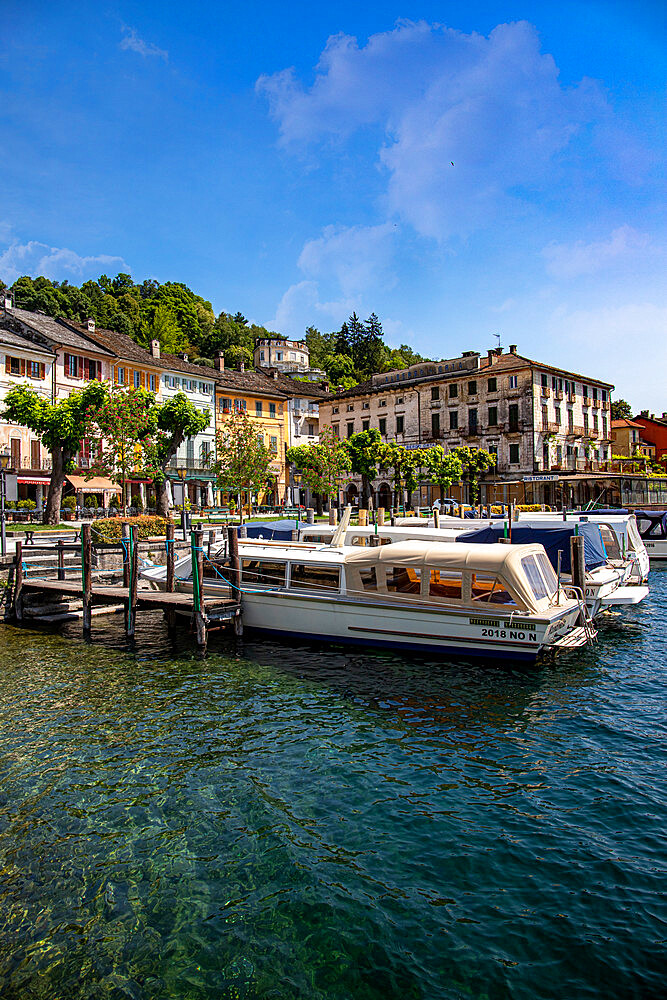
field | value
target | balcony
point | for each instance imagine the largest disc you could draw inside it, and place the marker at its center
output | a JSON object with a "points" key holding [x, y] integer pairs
{"points": [[436, 404], [576, 431], [587, 401], [545, 392], [27, 464], [473, 431], [558, 394], [596, 404], [571, 397], [551, 428], [515, 428]]}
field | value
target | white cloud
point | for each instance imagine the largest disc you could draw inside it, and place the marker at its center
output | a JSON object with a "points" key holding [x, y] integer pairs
{"points": [[575, 259], [470, 128], [131, 42], [56, 263]]}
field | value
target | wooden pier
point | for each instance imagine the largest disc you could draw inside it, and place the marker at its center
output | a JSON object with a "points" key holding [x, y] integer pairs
{"points": [[201, 615]]}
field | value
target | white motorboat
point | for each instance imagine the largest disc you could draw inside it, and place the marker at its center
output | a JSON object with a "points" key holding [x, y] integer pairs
{"points": [[483, 600], [652, 527]]}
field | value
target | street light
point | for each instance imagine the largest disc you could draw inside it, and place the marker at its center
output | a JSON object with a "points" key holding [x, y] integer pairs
{"points": [[5, 457], [182, 473], [297, 479]]}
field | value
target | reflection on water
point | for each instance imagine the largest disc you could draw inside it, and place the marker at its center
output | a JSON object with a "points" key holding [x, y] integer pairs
{"points": [[286, 821]]}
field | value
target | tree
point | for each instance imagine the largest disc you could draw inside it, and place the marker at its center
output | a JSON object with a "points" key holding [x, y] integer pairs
{"points": [[364, 452], [621, 410], [175, 420], [340, 370], [165, 328], [237, 355], [475, 462], [322, 464], [121, 432], [243, 459], [61, 427], [442, 467]]}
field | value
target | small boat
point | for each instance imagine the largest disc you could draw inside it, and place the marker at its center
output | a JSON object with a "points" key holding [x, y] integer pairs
{"points": [[454, 598], [652, 527]]}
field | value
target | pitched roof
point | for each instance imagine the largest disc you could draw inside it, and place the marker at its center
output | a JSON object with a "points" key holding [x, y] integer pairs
{"points": [[55, 331], [624, 422], [12, 339], [293, 387]]}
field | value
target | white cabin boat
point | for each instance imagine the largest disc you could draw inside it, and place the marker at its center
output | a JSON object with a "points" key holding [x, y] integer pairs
{"points": [[482, 600]]}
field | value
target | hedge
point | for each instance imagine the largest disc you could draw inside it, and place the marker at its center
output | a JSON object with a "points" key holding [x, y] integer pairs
{"points": [[111, 529]]}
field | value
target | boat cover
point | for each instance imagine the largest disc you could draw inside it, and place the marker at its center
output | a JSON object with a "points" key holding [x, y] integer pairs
{"points": [[652, 523], [553, 540], [277, 531]]}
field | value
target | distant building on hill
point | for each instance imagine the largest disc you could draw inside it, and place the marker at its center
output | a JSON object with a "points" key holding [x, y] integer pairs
{"points": [[288, 356]]}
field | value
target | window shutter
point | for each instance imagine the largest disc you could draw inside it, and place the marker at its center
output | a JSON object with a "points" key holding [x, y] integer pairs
{"points": [[42, 370], [127, 376], [22, 366], [80, 367], [66, 364], [8, 364]]}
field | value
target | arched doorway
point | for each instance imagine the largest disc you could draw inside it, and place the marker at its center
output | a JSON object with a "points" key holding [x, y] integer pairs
{"points": [[351, 494], [384, 496]]}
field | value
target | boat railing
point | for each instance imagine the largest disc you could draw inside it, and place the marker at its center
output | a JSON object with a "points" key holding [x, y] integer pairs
{"points": [[587, 622]]}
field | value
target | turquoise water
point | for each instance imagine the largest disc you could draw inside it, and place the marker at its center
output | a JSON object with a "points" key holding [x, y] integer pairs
{"points": [[287, 823]]}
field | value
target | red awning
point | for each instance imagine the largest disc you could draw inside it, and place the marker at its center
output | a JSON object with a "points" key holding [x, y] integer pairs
{"points": [[35, 480]]}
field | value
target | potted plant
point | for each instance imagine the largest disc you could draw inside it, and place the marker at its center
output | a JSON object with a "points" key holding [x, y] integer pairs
{"points": [[68, 505]]}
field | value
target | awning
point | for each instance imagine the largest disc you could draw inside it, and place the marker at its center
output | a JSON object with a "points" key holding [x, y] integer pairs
{"points": [[35, 480], [95, 485]]}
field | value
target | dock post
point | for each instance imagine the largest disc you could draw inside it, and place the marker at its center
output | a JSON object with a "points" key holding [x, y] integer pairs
{"points": [[211, 543], [87, 579], [310, 515], [18, 582], [380, 519], [242, 531], [125, 528], [578, 562], [363, 517], [392, 519], [333, 516], [199, 611], [170, 538], [61, 558], [436, 517], [235, 577], [133, 563]]}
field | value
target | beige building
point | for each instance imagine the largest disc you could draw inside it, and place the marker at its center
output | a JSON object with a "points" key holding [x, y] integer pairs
{"points": [[536, 418]]}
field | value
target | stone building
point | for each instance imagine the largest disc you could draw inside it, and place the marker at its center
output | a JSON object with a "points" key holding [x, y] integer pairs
{"points": [[536, 418]]}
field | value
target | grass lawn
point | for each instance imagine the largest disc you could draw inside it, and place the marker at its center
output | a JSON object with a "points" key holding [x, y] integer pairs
{"points": [[40, 527]]}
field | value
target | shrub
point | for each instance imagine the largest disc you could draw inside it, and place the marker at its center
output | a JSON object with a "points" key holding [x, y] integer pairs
{"points": [[531, 507], [136, 503], [69, 503], [112, 530], [90, 500], [26, 505], [115, 501]]}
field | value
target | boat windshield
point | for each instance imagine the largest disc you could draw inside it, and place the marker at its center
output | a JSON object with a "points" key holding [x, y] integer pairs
{"points": [[318, 576], [610, 541], [534, 570]]}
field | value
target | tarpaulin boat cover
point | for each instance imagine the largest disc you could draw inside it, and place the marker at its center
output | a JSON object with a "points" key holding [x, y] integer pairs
{"points": [[652, 523], [273, 531], [553, 540]]}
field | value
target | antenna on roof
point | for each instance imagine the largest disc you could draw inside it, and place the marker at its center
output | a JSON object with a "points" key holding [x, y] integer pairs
{"points": [[498, 336]]}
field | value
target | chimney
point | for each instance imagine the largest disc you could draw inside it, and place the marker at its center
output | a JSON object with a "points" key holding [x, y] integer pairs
{"points": [[275, 375], [241, 366], [183, 357], [491, 355], [155, 348], [8, 302], [644, 414], [91, 326], [325, 386], [512, 348], [220, 361], [664, 416]]}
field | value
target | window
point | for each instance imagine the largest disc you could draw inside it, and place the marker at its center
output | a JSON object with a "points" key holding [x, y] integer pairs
{"points": [[595, 394], [311, 430], [514, 381], [13, 366], [586, 422], [365, 424], [368, 577], [445, 584], [603, 395], [272, 409], [453, 420], [263, 574], [261, 355], [558, 420], [400, 425], [513, 413], [336, 430], [350, 428], [493, 416], [137, 380], [403, 580], [570, 420], [472, 388], [240, 404], [514, 454], [258, 407], [350, 407], [365, 406], [292, 356], [260, 440], [317, 577], [382, 402], [541, 576], [279, 355], [120, 374], [383, 426], [36, 369], [273, 446], [493, 450], [584, 390], [334, 409], [487, 588], [190, 451], [399, 400], [435, 392], [152, 383], [35, 455], [544, 381], [493, 385], [435, 425], [472, 421], [595, 423], [453, 391], [225, 405]]}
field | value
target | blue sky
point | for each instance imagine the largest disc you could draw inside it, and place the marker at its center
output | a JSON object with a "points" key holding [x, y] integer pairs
{"points": [[461, 170]]}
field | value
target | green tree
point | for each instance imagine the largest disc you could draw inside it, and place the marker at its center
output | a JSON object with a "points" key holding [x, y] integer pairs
{"points": [[237, 355], [121, 431], [321, 465], [340, 370], [164, 327], [442, 467], [61, 427], [175, 420], [475, 462], [243, 461], [364, 451], [621, 410]]}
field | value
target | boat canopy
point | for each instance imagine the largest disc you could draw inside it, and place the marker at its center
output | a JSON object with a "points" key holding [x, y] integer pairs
{"points": [[554, 539], [652, 524], [499, 560], [273, 531]]}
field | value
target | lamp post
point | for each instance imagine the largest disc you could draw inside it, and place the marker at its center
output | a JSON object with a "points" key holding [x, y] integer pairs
{"points": [[297, 479], [184, 516], [4, 462]]}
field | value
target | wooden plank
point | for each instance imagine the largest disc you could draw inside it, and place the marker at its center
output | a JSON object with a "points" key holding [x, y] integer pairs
{"points": [[87, 577]]}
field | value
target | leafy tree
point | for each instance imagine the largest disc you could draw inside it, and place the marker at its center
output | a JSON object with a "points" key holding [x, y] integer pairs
{"points": [[475, 462], [364, 451], [320, 346], [394, 457], [340, 370], [621, 410], [322, 464], [237, 355], [175, 420], [243, 461], [442, 467], [164, 327], [121, 433], [61, 427]]}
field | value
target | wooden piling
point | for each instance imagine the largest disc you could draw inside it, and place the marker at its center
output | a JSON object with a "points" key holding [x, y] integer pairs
{"points": [[578, 566], [211, 543], [380, 519], [392, 519], [310, 515], [61, 558], [133, 564], [170, 613], [18, 582], [235, 577], [333, 516], [436, 517], [87, 577], [363, 517], [197, 549], [125, 528]]}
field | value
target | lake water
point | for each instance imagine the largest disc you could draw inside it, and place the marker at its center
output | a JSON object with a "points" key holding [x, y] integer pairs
{"points": [[283, 822]]}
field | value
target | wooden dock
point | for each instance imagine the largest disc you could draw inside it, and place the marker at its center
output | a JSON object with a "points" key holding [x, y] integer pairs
{"points": [[189, 606]]}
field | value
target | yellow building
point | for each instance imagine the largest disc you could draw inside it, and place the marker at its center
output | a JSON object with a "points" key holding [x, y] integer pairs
{"points": [[267, 406]]}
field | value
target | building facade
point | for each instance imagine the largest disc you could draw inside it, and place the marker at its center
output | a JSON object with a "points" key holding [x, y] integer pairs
{"points": [[654, 431], [535, 418]]}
